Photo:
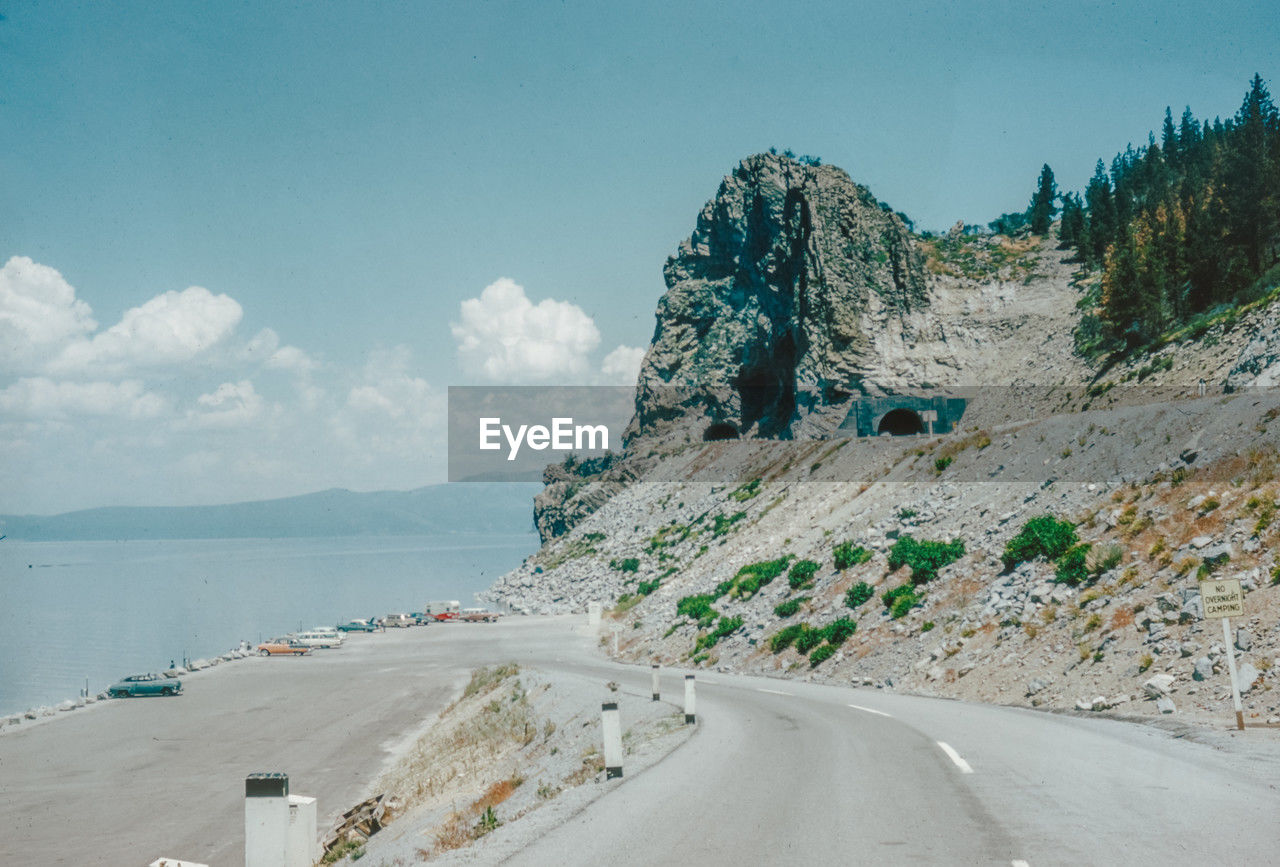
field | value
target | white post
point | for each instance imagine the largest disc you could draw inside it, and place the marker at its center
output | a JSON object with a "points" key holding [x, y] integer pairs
{"points": [[611, 729], [616, 630], [594, 610], [266, 819], [689, 716], [303, 848], [1231, 667], [655, 681]]}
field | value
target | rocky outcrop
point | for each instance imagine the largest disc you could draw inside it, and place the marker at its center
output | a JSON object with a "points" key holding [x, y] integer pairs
{"points": [[768, 305]]}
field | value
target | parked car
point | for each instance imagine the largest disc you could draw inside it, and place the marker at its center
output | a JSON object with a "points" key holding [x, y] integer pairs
{"points": [[421, 619], [282, 647], [402, 620], [478, 615], [322, 638], [357, 626], [145, 684]]}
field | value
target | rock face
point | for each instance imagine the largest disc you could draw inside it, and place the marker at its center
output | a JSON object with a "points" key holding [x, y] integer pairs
{"points": [[774, 303]]}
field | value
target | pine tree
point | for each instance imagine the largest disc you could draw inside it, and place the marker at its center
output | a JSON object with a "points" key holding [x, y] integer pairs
{"points": [[1040, 212]]}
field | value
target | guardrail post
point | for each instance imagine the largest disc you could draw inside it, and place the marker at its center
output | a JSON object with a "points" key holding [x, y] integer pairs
{"points": [[689, 716], [655, 681], [611, 728]]}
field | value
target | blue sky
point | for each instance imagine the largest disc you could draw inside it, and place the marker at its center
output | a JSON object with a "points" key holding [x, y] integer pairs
{"points": [[350, 177]]}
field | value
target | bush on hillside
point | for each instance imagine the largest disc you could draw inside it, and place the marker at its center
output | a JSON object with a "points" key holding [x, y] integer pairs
{"points": [[925, 557], [858, 594], [847, 554], [1042, 536]]}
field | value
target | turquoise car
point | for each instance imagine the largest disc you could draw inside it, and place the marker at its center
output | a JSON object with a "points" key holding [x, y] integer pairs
{"points": [[357, 626], [145, 684]]}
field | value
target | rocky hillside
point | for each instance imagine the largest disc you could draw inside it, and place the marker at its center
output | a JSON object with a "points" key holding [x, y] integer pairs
{"points": [[905, 562]]}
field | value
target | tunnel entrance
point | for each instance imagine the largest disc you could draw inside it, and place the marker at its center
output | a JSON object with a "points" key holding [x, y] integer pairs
{"points": [[720, 431], [900, 422]]}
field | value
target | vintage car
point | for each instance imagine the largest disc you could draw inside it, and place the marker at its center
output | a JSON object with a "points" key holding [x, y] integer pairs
{"points": [[478, 615], [282, 647], [357, 626], [145, 684], [318, 638], [401, 620]]}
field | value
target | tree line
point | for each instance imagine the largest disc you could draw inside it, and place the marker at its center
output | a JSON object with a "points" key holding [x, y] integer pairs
{"points": [[1187, 223]]}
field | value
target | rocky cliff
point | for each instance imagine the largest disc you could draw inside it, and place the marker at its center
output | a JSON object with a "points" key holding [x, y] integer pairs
{"points": [[767, 308]]}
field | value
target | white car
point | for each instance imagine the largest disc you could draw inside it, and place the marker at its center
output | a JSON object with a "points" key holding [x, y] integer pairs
{"points": [[319, 638], [403, 620]]}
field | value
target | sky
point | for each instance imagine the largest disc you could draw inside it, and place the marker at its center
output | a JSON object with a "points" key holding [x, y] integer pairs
{"points": [[246, 247]]}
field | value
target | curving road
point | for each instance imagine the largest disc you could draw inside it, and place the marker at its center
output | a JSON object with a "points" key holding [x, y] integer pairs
{"points": [[779, 772]]}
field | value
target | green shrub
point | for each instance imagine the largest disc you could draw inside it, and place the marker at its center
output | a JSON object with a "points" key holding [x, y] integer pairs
{"points": [[927, 626], [1106, 558], [923, 556], [900, 600], [696, 607], [1073, 566], [726, 626], [627, 564], [783, 638], [647, 587], [907, 514], [838, 631], [858, 594], [753, 576], [747, 491], [791, 606], [809, 638], [942, 463], [1042, 536], [847, 554], [801, 574], [821, 655], [720, 525]]}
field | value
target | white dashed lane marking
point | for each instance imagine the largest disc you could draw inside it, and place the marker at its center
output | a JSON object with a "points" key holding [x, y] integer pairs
{"points": [[955, 757], [772, 691], [871, 710]]}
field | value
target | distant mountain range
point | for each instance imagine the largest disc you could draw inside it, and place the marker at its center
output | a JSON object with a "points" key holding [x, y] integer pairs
{"points": [[457, 508]]}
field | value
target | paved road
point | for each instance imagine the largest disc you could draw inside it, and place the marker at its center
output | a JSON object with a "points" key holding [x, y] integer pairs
{"points": [[779, 772], [792, 773]]}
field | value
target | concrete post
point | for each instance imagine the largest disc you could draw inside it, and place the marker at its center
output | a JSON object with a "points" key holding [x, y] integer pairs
{"points": [[594, 610], [303, 849], [611, 729], [266, 819], [655, 681], [689, 716]]}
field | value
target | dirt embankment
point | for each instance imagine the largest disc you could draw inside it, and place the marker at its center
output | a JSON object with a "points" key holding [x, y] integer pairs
{"points": [[519, 750]]}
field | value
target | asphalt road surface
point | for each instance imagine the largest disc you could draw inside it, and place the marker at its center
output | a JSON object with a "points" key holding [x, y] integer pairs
{"points": [[779, 773]]}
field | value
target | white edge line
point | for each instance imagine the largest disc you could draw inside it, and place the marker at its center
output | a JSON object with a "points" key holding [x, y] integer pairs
{"points": [[955, 757], [871, 710], [1019, 864], [772, 691]]}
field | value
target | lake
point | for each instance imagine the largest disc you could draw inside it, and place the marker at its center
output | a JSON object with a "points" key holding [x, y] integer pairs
{"points": [[101, 610]]}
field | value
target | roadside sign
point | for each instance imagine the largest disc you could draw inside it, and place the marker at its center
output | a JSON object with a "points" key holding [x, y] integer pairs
{"points": [[1223, 598]]}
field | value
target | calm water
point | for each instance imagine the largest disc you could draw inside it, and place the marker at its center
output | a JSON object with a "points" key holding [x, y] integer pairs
{"points": [[101, 610]]}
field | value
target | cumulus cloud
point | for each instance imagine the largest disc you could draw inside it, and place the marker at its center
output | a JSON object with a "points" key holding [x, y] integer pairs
{"points": [[264, 348], [171, 328], [622, 366], [511, 339], [42, 398], [39, 313], [232, 404]]}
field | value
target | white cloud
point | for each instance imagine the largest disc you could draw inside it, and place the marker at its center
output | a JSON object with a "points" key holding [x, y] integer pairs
{"points": [[510, 339], [622, 366], [39, 313], [265, 349], [292, 358], [232, 404], [42, 398], [169, 329]]}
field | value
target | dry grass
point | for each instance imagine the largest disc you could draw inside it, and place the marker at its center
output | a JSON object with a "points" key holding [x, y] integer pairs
{"points": [[1122, 618]]}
